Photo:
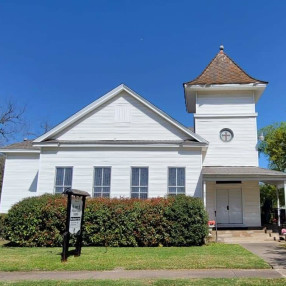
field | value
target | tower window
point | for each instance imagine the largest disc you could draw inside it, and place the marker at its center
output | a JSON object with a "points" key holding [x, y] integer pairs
{"points": [[226, 135]]}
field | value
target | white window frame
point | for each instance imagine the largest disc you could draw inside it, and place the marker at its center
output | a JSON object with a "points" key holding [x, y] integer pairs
{"points": [[101, 186], [62, 186], [176, 186], [139, 186]]}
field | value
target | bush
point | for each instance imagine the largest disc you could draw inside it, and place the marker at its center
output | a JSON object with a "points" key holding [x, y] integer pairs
{"points": [[176, 221], [2, 217]]}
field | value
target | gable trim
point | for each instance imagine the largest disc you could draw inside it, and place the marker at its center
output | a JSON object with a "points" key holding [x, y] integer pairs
{"points": [[97, 103]]}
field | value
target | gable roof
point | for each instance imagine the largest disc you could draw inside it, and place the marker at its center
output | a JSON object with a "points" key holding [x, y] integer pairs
{"points": [[97, 103], [223, 70], [26, 144]]}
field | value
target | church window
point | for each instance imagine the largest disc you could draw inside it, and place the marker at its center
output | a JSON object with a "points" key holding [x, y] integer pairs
{"points": [[226, 135]]}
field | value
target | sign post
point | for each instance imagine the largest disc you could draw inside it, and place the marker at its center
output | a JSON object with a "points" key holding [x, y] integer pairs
{"points": [[74, 220]]}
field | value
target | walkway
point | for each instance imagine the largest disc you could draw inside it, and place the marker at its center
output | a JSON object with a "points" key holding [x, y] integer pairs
{"points": [[142, 274], [272, 252]]}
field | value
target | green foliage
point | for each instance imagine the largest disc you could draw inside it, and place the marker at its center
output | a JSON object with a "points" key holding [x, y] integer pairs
{"points": [[36, 221], [274, 145], [2, 217], [176, 221]]}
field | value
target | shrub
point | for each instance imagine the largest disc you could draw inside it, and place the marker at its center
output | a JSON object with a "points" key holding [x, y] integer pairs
{"points": [[2, 217], [176, 221], [36, 221]]}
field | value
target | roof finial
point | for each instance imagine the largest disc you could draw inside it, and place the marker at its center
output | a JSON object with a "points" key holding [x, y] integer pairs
{"points": [[221, 47]]}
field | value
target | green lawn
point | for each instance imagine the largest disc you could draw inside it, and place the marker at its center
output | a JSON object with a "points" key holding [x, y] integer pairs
{"points": [[160, 282], [100, 258]]}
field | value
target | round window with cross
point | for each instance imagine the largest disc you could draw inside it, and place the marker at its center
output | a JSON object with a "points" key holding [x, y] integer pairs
{"points": [[226, 135]]}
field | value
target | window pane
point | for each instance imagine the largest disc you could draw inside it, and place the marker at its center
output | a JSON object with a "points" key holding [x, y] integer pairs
{"points": [[105, 195], [106, 176], [106, 190], [144, 190], [97, 195], [143, 196], [134, 195], [172, 176], [60, 176], [144, 177], [135, 177], [97, 189], [135, 189], [180, 190], [180, 176], [59, 190], [97, 176], [68, 177], [172, 190]]}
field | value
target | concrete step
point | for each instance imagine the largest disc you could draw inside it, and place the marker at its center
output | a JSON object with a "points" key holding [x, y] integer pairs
{"points": [[241, 236]]}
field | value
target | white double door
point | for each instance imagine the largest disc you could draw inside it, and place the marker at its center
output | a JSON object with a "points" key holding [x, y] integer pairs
{"points": [[229, 206]]}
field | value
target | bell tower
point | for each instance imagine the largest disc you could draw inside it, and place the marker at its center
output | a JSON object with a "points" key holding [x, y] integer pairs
{"points": [[222, 99]]}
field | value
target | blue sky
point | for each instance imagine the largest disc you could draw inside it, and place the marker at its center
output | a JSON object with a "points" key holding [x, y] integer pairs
{"points": [[58, 56]]}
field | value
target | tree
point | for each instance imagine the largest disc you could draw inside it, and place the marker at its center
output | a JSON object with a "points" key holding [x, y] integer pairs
{"points": [[274, 145], [11, 121]]}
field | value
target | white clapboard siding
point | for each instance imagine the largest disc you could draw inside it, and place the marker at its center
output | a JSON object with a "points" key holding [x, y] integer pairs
{"points": [[20, 179], [122, 118], [250, 201], [121, 160], [229, 103], [241, 151]]}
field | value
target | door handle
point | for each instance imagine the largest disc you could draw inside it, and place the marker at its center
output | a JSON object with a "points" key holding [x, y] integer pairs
{"points": [[227, 207]]}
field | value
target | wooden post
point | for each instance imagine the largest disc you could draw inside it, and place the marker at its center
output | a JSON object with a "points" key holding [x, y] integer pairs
{"points": [[79, 237], [74, 220], [67, 234]]}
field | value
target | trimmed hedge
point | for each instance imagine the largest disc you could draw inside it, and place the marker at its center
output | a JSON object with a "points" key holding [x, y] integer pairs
{"points": [[175, 221]]}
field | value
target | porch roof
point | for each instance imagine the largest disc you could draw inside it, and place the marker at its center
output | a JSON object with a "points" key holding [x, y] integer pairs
{"points": [[242, 174]]}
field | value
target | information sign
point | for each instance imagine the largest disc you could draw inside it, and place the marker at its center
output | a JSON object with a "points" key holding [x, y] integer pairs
{"points": [[75, 215]]}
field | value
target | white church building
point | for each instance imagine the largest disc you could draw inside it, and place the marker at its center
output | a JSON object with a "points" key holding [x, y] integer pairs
{"points": [[121, 145]]}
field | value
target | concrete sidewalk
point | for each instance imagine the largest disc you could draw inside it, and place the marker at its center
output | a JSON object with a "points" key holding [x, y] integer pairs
{"points": [[142, 274], [272, 252]]}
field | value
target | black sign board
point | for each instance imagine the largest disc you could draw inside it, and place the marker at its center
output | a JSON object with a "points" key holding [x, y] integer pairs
{"points": [[74, 220]]}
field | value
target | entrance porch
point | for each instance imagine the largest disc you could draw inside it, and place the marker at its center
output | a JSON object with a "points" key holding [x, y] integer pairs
{"points": [[232, 195]]}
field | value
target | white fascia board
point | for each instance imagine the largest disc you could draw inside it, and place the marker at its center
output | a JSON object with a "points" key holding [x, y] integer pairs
{"points": [[24, 151], [226, 115], [91, 145], [165, 116], [80, 114], [107, 97], [249, 177]]}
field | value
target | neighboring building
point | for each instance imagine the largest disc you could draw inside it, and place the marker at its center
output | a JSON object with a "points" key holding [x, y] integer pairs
{"points": [[123, 146]]}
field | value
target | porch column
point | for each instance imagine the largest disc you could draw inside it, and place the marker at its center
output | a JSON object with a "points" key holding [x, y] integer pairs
{"points": [[205, 193], [278, 205], [285, 195]]}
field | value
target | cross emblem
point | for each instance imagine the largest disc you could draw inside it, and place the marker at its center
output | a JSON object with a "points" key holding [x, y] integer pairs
{"points": [[226, 135]]}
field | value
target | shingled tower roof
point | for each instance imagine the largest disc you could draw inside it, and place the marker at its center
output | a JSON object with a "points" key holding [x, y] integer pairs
{"points": [[223, 70]]}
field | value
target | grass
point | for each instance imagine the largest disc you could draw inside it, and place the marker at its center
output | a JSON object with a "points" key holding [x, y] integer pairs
{"points": [[159, 282], [221, 256]]}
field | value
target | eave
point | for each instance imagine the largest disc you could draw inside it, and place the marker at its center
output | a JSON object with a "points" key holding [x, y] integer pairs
{"points": [[191, 91]]}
